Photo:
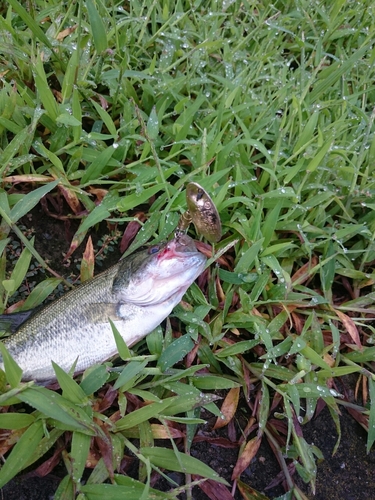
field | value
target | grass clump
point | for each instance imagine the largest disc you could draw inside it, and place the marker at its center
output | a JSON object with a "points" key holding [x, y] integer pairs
{"points": [[110, 109]]}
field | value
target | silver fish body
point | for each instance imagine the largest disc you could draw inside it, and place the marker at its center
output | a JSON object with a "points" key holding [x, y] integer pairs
{"points": [[137, 294]]}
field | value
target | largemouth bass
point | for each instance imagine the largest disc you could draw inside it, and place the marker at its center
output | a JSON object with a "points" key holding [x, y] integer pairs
{"points": [[137, 294]]}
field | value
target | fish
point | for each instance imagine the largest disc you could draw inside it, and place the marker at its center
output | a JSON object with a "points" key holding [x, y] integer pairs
{"points": [[137, 294]]}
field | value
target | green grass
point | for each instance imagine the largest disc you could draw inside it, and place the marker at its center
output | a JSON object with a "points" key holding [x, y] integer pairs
{"points": [[270, 107]]}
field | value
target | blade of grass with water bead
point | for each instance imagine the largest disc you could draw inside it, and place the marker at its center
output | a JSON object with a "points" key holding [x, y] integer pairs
{"points": [[54, 406], [77, 114], [98, 30], [259, 287], [65, 489], [362, 304], [107, 120], [144, 394], [240, 347], [335, 414], [306, 452], [269, 225], [152, 126], [128, 375], [155, 340], [278, 350], [8, 100], [361, 356], [328, 270], [94, 378], [272, 262], [144, 468], [135, 199], [272, 371], [99, 473], [247, 259], [145, 413], [30, 22], [70, 76], [175, 352], [95, 169], [191, 421], [67, 120], [11, 150], [189, 399], [206, 356], [70, 389], [44, 445], [213, 382], [331, 75], [307, 133], [184, 122], [44, 91], [79, 452], [319, 157], [166, 381]]}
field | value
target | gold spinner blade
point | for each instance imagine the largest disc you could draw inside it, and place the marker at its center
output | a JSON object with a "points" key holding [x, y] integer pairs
{"points": [[202, 212]]}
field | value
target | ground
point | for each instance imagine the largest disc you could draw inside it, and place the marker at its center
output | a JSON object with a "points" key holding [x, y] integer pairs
{"points": [[348, 474]]}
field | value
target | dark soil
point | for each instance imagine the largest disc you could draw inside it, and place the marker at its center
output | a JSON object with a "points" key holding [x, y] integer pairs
{"points": [[348, 475]]}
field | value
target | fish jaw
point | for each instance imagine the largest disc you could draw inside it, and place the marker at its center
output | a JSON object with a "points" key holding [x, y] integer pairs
{"points": [[167, 276]]}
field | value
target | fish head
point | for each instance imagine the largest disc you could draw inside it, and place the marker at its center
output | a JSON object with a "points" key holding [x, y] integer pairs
{"points": [[159, 274]]}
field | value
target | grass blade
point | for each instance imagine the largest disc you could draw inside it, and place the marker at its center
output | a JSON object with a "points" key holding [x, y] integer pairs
{"points": [[175, 352], [79, 452], [58, 408], [21, 452], [12, 370], [29, 201], [150, 411], [98, 30], [179, 462], [30, 22]]}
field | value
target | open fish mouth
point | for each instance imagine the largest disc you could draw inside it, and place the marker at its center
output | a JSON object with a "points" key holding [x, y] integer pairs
{"points": [[178, 248], [171, 271]]}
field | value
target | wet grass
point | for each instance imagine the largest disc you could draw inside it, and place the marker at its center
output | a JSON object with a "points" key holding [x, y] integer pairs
{"points": [[107, 110]]}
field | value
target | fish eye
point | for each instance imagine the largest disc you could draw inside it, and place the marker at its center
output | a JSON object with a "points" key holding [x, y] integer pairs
{"points": [[153, 250]]}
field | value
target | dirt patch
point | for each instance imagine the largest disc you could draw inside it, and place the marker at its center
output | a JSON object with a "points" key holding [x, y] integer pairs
{"points": [[349, 474]]}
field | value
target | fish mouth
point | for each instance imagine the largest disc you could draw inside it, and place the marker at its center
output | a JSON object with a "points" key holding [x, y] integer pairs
{"points": [[178, 248], [165, 273]]}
